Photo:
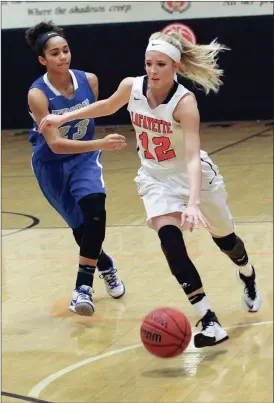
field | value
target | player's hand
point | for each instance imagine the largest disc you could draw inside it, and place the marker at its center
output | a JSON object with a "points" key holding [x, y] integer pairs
{"points": [[192, 216], [113, 142], [52, 121]]}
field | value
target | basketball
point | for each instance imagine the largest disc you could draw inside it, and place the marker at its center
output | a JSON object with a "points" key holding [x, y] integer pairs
{"points": [[165, 332]]}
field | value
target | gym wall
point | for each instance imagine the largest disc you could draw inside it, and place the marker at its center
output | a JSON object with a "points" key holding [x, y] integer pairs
{"points": [[115, 51]]}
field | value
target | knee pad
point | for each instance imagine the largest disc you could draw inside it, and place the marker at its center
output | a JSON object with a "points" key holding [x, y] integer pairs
{"points": [[226, 243], [173, 246], [233, 247], [78, 234], [180, 265], [94, 226]]}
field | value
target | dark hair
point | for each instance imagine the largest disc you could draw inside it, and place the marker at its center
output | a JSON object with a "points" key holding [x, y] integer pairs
{"points": [[37, 39]]}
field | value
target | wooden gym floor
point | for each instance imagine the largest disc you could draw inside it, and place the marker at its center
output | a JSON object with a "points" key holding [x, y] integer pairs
{"points": [[55, 356]]}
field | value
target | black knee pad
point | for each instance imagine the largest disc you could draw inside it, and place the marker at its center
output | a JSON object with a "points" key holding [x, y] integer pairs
{"points": [[173, 246], [93, 208], [181, 266], [233, 247], [78, 234], [227, 242]]}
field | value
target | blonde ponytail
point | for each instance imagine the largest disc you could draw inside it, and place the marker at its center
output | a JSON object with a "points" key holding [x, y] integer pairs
{"points": [[198, 62]]}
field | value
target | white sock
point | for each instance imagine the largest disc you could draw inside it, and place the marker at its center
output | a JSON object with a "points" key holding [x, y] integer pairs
{"points": [[246, 270], [202, 306]]}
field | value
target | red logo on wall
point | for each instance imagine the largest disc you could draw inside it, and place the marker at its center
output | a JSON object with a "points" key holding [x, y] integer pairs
{"points": [[175, 6], [182, 30]]}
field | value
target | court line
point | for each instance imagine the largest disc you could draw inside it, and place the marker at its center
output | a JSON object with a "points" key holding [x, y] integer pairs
{"points": [[144, 225], [21, 397], [37, 389], [210, 153], [35, 221], [239, 141], [135, 168]]}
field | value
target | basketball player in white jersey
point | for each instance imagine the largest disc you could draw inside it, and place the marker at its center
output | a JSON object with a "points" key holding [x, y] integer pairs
{"points": [[179, 184]]}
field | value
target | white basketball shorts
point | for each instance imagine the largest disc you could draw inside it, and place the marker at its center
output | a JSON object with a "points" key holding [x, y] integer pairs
{"points": [[163, 193]]}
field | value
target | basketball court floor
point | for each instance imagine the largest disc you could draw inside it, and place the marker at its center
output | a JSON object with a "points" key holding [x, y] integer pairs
{"points": [[52, 355]]}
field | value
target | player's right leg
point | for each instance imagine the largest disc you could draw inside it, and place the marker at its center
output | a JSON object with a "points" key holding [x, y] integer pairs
{"points": [[53, 180]]}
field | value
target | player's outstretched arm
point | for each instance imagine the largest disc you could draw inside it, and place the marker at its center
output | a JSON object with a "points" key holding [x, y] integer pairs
{"points": [[104, 107], [38, 104]]}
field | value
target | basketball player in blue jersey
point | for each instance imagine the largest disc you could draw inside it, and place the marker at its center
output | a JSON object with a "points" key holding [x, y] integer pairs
{"points": [[178, 183], [66, 162]]}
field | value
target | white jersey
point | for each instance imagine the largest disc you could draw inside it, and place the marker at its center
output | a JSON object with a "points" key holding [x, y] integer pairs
{"points": [[162, 180], [160, 141]]}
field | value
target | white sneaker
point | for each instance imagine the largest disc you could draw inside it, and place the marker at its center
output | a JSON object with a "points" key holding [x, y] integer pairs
{"points": [[113, 285], [251, 298], [212, 332], [81, 302]]}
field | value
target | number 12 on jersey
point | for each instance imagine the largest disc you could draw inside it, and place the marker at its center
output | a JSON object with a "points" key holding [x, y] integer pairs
{"points": [[162, 150]]}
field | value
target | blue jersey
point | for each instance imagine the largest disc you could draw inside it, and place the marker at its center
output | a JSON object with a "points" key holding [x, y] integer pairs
{"points": [[59, 104]]}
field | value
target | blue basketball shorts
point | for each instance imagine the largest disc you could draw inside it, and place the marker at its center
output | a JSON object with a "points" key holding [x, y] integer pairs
{"points": [[65, 182]]}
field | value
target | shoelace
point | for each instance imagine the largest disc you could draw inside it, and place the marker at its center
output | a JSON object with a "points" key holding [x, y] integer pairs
{"points": [[110, 277], [250, 289], [205, 323], [84, 295], [250, 285]]}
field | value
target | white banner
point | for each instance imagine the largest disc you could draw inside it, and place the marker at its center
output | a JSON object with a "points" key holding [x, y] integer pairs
{"points": [[26, 14]]}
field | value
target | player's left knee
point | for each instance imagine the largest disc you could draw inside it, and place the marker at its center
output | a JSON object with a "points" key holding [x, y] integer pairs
{"points": [[93, 203], [233, 247], [93, 208]]}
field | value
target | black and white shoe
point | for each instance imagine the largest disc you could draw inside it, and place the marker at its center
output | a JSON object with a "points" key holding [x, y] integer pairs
{"points": [[251, 298], [212, 332]]}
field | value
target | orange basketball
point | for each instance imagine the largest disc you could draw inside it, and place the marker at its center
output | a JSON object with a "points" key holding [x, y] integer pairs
{"points": [[165, 332]]}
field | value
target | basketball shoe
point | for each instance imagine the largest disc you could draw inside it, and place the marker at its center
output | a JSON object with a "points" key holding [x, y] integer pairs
{"points": [[251, 298], [113, 285], [212, 332], [81, 302]]}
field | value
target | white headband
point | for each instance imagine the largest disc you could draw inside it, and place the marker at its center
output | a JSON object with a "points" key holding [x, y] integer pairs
{"points": [[166, 48]]}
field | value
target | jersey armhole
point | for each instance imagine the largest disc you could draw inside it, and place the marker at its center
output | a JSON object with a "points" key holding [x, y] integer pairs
{"points": [[136, 82], [29, 110], [89, 86], [173, 107]]}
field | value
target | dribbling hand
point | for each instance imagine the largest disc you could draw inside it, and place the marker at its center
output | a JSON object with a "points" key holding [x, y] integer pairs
{"points": [[193, 215], [113, 142]]}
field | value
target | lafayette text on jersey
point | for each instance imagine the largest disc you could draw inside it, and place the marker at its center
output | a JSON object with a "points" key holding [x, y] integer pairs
{"points": [[160, 141]]}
